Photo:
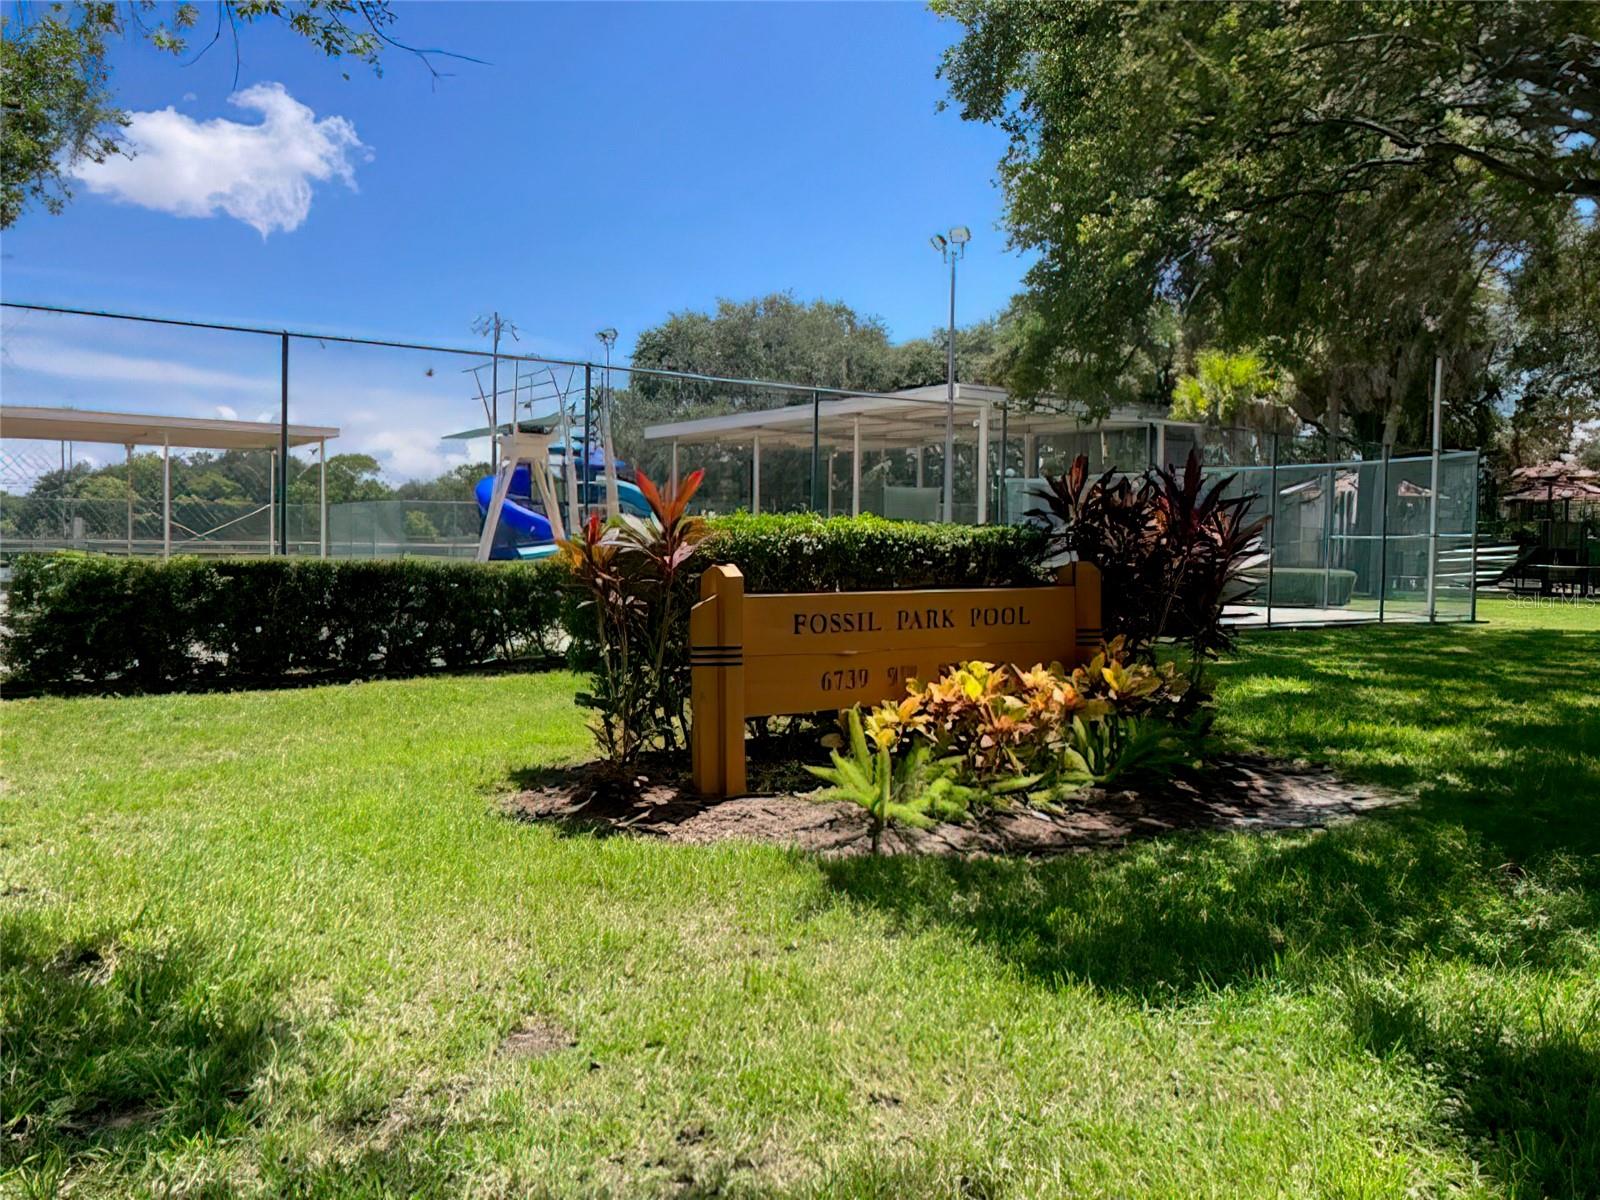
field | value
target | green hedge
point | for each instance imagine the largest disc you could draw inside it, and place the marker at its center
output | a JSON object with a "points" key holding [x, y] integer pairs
{"points": [[142, 624], [93, 621], [808, 553]]}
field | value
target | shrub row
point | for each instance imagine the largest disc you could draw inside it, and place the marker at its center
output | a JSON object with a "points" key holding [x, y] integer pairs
{"points": [[148, 625], [84, 621], [808, 553]]}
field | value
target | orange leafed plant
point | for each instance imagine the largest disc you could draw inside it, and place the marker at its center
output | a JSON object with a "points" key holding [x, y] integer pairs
{"points": [[633, 575]]}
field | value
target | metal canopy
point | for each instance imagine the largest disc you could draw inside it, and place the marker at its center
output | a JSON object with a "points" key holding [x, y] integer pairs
{"points": [[534, 423], [144, 429], [906, 419]]}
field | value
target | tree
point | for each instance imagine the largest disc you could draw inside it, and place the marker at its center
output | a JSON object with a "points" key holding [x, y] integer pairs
{"points": [[1555, 366], [1335, 183], [350, 477], [980, 353], [57, 106], [55, 82], [455, 484], [825, 343]]}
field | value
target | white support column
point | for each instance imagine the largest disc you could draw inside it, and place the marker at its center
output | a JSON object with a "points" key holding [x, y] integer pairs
{"points": [[322, 497], [855, 470], [1433, 486], [166, 498], [674, 464], [497, 504], [539, 473], [919, 451], [983, 465], [272, 505], [755, 472], [129, 449], [1161, 445], [1030, 456], [830, 483]]}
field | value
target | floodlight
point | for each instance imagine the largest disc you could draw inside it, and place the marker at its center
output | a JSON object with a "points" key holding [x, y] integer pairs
{"points": [[961, 235], [937, 242], [608, 337]]}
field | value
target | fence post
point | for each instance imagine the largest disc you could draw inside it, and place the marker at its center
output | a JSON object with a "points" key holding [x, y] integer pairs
{"points": [[588, 417], [1383, 530], [1272, 524], [283, 450], [1472, 569], [1328, 502], [1433, 486]]}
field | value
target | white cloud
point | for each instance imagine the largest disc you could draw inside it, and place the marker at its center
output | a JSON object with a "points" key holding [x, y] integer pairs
{"points": [[410, 453], [64, 360], [227, 413], [260, 174]]}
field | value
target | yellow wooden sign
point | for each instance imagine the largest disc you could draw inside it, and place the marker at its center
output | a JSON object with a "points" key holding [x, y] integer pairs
{"points": [[765, 655]]}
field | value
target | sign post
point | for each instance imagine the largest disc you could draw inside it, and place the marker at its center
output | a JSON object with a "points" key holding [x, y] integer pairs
{"points": [[765, 655]]}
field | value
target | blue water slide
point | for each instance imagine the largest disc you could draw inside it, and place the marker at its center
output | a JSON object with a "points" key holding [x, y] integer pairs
{"points": [[629, 498], [525, 533], [522, 533]]}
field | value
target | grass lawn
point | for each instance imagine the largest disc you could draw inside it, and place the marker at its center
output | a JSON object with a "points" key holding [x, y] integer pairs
{"points": [[275, 942]]}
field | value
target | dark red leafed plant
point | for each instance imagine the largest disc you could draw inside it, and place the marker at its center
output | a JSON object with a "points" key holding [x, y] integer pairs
{"points": [[1171, 551], [1210, 543]]}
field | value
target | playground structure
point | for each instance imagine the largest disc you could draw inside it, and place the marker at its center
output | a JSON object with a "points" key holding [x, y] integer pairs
{"points": [[542, 481], [523, 515]]}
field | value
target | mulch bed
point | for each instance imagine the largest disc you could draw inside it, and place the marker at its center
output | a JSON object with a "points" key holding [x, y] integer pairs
{"points": [[1238, 792]]}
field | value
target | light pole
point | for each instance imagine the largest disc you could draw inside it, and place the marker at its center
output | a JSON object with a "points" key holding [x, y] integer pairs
{"points": [[952, 249], [494, 325], [608, 339]]}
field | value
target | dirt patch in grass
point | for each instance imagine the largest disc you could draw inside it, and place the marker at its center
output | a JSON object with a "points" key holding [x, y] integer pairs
{"points": [[1239, 792], [537, 1037]]}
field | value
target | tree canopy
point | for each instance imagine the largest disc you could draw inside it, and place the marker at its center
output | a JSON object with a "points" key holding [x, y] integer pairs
{"points": [[55, 81], [1349, 187], [824, 343]]}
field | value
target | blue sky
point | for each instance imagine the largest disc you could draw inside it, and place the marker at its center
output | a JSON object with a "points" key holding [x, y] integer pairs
{"points": [[611, 164]]}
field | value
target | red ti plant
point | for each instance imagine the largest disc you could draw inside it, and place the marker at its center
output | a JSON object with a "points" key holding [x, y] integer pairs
{"points": [[664, 548], [634, 581], [601, 574]]}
